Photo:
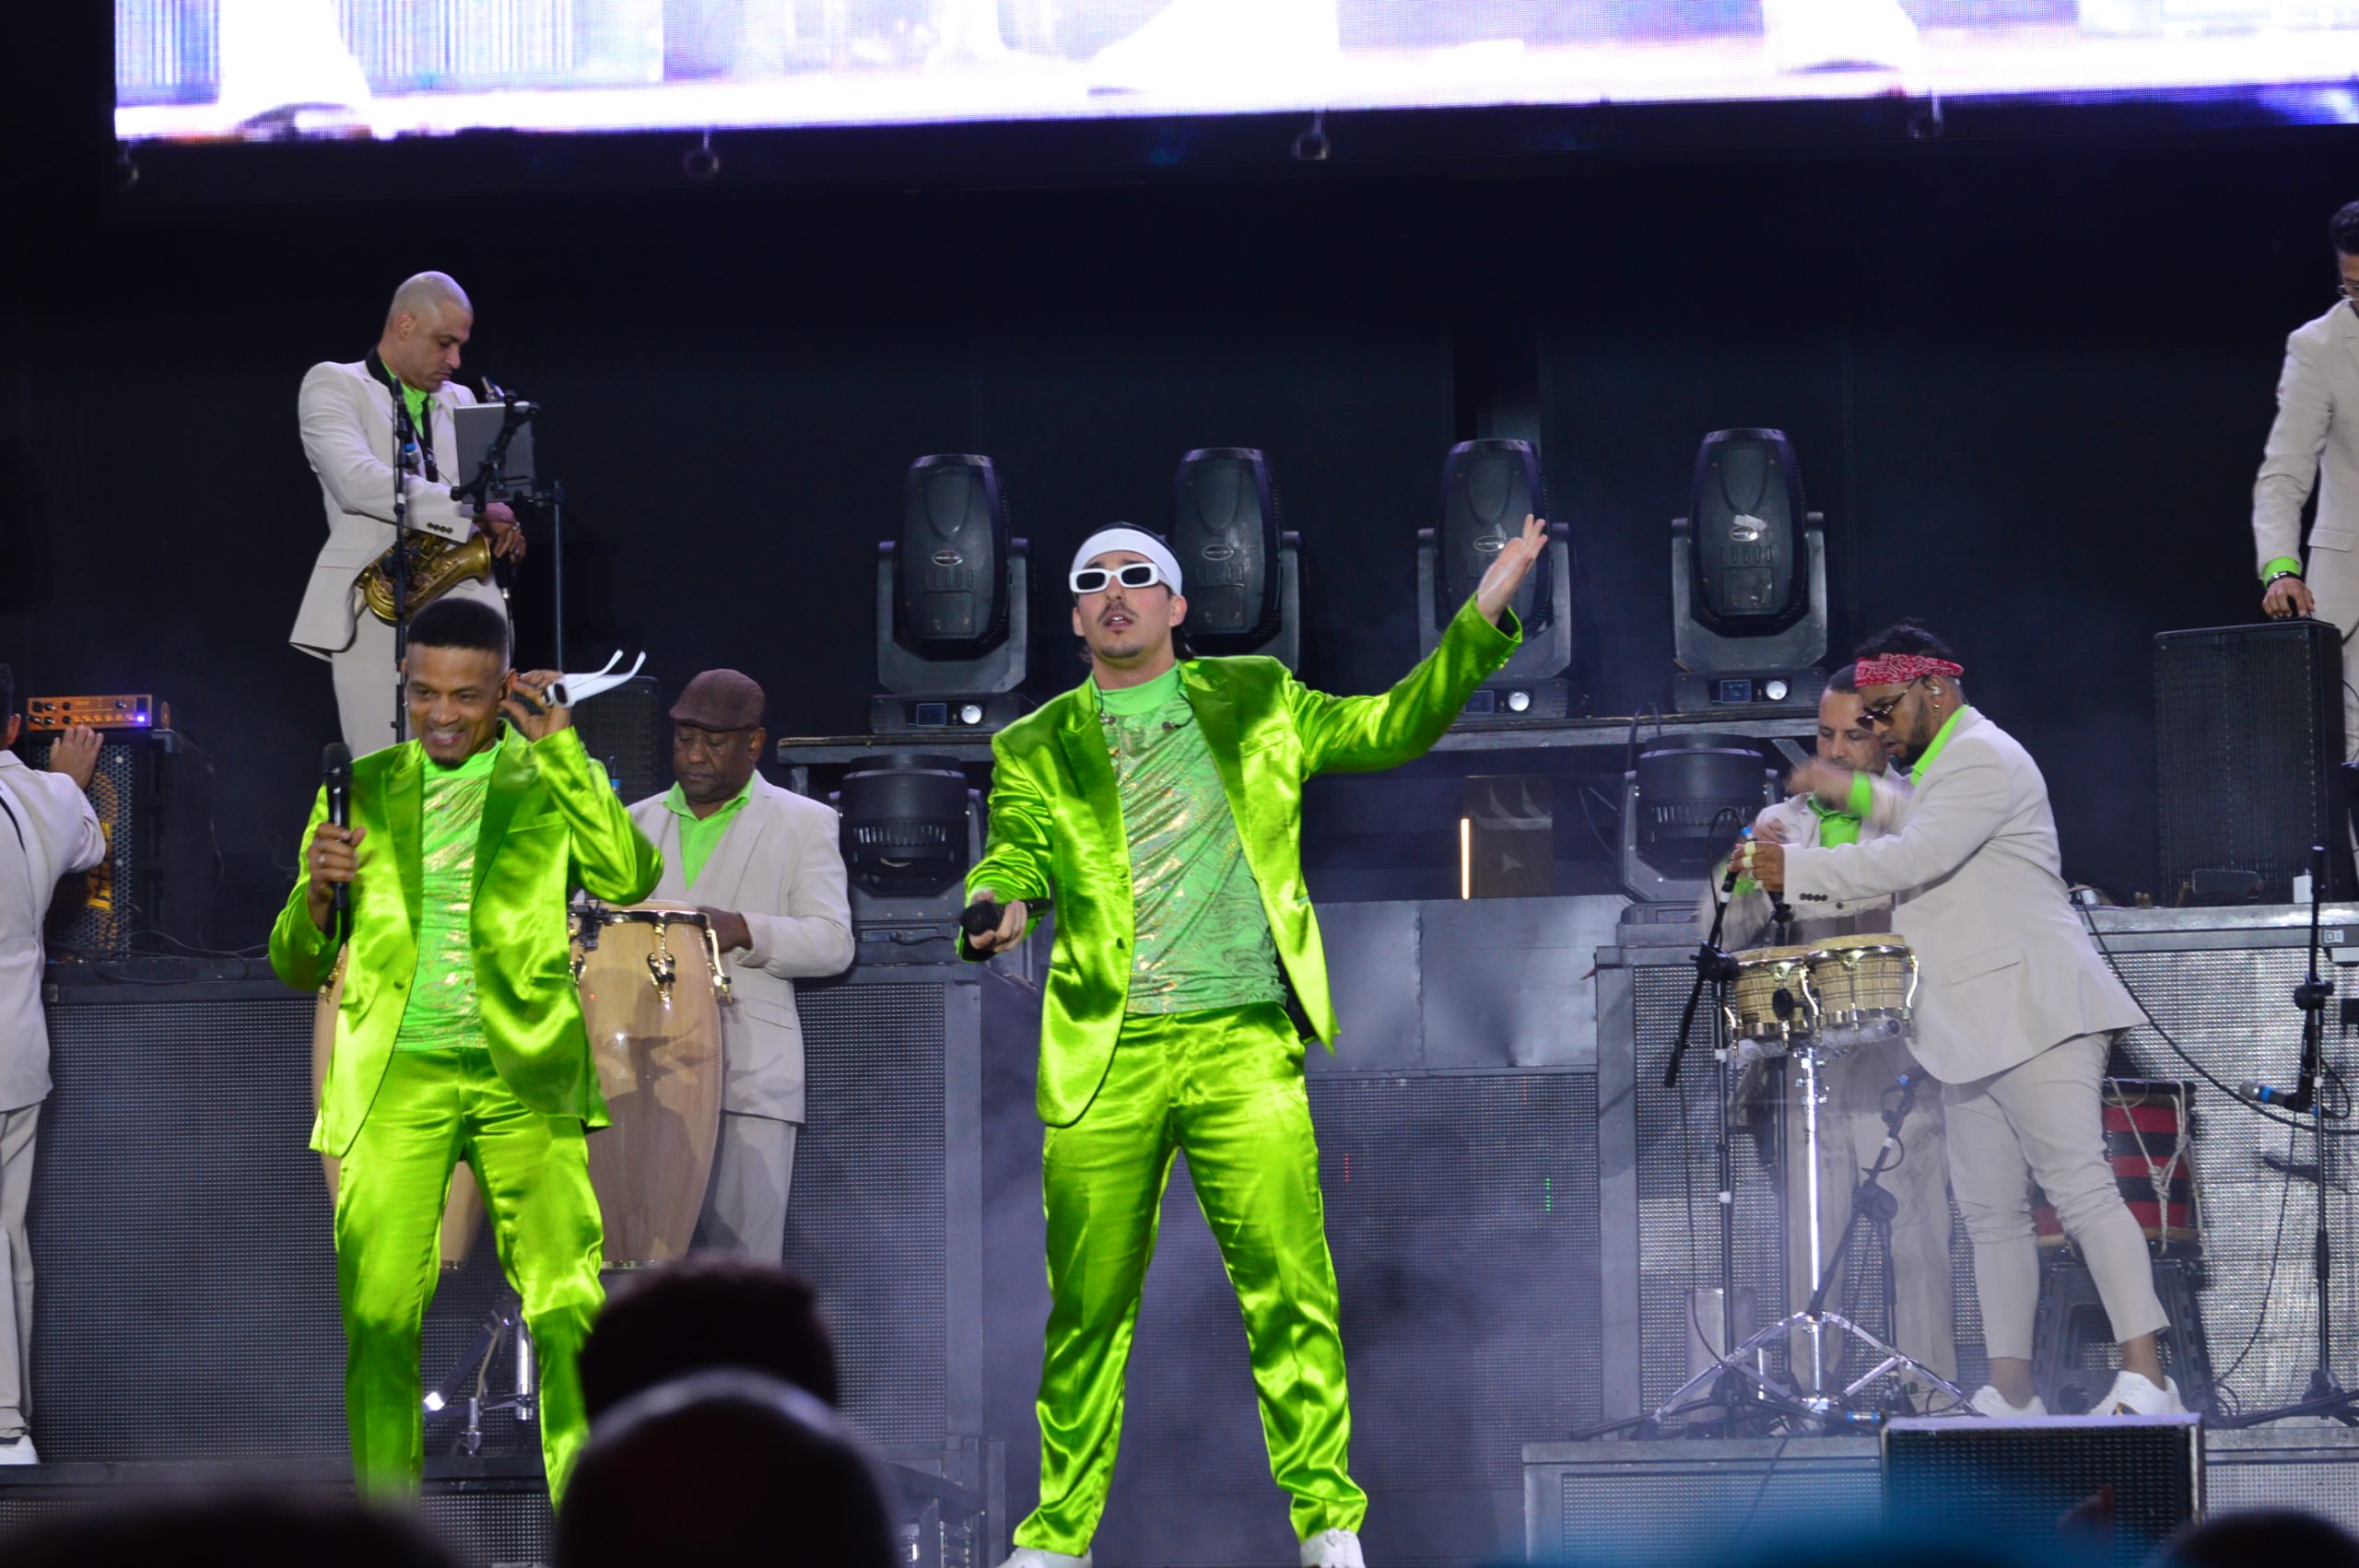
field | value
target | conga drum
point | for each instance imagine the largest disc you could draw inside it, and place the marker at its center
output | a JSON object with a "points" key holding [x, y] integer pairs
{"points": [[463, 1209], [651, 986], [2149, 1143], [1769, 1006]]}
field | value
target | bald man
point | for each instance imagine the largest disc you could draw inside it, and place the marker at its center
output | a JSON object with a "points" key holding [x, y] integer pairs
{"points": [[348, 419]]}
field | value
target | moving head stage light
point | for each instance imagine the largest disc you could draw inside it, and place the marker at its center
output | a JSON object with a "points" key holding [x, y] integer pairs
{"points": [[908, 826], [1685, 798], [953, 603], [1243, 575], [1748, 579], [1488, 487]]}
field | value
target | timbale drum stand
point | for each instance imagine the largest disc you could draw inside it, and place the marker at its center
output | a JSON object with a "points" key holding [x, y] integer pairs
{"points": [[502, 1324]]}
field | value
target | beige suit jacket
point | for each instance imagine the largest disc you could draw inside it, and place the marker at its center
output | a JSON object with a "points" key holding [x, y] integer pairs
{"points": [[2005, 968], [778, 866], [347, 417], [2315, 441]]}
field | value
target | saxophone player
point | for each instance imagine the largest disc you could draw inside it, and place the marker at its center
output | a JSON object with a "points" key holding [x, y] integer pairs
{"points": [[348, 429]]}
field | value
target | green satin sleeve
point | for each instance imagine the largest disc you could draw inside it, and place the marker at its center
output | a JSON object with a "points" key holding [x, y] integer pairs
{"points": [[612, 859], [1019, 861], [1362, 734], [301, 954]]}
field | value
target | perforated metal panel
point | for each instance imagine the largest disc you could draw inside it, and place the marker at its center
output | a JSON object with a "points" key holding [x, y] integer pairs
{"points": [[1461, 1213], [1647, 1503], [2004, 1485], [182, 1234], [2231, 1009], [627, 731], [1679, 1225], [867, 1222]]}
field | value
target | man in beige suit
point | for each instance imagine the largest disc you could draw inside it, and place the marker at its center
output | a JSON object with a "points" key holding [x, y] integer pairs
{"points": [[764, 865], [349, 426], [1854, 1089], [2315, 441], [2015, 1009]]}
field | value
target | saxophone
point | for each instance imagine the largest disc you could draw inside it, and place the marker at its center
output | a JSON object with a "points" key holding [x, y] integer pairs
{"points": [[435, 566]]}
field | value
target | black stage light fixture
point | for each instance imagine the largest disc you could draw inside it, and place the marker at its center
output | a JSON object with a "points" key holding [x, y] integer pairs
{"points": [[903, 823], [1748, 578], [1685, 798], [953, 603], [1243, 575], [1488, 487]]}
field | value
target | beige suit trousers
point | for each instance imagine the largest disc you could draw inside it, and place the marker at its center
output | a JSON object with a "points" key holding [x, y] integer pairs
{"points": [[753, 1172], [2043, 1118], [16, 1130]]}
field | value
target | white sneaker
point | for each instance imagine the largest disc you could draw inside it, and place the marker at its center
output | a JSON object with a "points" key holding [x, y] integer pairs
{"points": [[2133, 1395], [20, 1451], [1989, 1402], [1033, 1557], [1333, 1549]]}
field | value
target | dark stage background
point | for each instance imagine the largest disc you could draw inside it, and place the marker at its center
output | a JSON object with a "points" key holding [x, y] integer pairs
{"points": [[2027, 383]]}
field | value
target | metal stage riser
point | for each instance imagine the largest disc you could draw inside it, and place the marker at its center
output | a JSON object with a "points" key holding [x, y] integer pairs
{"points": [[1638, 1505]]}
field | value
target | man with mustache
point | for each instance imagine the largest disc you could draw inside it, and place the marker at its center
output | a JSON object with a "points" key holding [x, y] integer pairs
{"points": [[1159, 805], [460, 1034]]}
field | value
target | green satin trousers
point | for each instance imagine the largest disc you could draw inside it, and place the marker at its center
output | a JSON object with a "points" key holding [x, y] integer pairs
{"points": [[1224, 1088], [434, 1109]]}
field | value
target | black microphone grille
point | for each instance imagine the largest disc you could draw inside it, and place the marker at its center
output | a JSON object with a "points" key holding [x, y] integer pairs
{"points": [[335, 760]]}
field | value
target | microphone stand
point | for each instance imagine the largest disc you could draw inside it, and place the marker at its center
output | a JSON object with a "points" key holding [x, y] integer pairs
{"points": [[1717, 969], [404, 437], [490, 484], [2325, 1396]]}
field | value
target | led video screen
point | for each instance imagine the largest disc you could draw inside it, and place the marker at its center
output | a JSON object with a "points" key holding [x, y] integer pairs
{"points": [[265, 69]]}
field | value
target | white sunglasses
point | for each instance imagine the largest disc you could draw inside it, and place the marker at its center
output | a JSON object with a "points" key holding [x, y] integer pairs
{"points": [[1131, 574]]}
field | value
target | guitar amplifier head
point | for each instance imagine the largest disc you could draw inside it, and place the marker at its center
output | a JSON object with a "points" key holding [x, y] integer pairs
{"points": [[2248, 750]]}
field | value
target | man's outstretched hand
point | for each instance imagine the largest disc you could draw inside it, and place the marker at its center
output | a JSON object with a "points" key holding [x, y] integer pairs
{"points": [[1509, 567]]}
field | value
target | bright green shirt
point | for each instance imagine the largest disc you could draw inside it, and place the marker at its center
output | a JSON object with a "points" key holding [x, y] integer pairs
{"points": [[1941, 739], [418, 401], [700, 835], [2281, 564], [443, 1012], [1202, 938]]}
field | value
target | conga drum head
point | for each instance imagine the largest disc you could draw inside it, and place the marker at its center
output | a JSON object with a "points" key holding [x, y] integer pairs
{"points": [[462, 1209], [651, 986], [1769, 1005]]}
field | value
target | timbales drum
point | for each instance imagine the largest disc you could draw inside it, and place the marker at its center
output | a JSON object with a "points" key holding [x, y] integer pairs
{"points": [[652, 987], [2148, 1142]]}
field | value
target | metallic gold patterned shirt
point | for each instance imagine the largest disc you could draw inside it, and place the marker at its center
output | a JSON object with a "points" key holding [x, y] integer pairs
{"points": [[1200, 938], [442, 1010]]}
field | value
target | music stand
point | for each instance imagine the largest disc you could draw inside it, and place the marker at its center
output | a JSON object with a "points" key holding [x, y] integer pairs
{"points": [[495, 444]]}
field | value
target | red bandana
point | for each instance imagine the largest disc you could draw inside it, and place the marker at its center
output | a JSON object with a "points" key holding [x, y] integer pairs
{"points": [[1899, 669]]}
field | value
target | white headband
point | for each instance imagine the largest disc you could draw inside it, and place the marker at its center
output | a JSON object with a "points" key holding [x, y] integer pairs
{"points": [[1138, 541]]}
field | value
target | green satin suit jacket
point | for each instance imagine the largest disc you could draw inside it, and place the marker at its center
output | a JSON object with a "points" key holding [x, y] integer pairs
{"points": [[551, 823], [1056, 823]]}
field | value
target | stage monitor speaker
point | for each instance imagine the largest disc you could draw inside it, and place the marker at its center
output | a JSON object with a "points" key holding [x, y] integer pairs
{"points": [[1488, 487], [2249, 742], [628, 733], [2005, 1485], [153, 792], [951, 599], [1224, 533]]}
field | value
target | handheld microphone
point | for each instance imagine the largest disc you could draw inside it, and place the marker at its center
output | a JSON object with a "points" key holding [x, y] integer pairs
{"points": [[335, 774], [2271, 1094], [983, 913]]}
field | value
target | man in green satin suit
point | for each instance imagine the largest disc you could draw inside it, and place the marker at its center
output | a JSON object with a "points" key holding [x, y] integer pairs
{"points": [[1159, 805], [460, 1035]]}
